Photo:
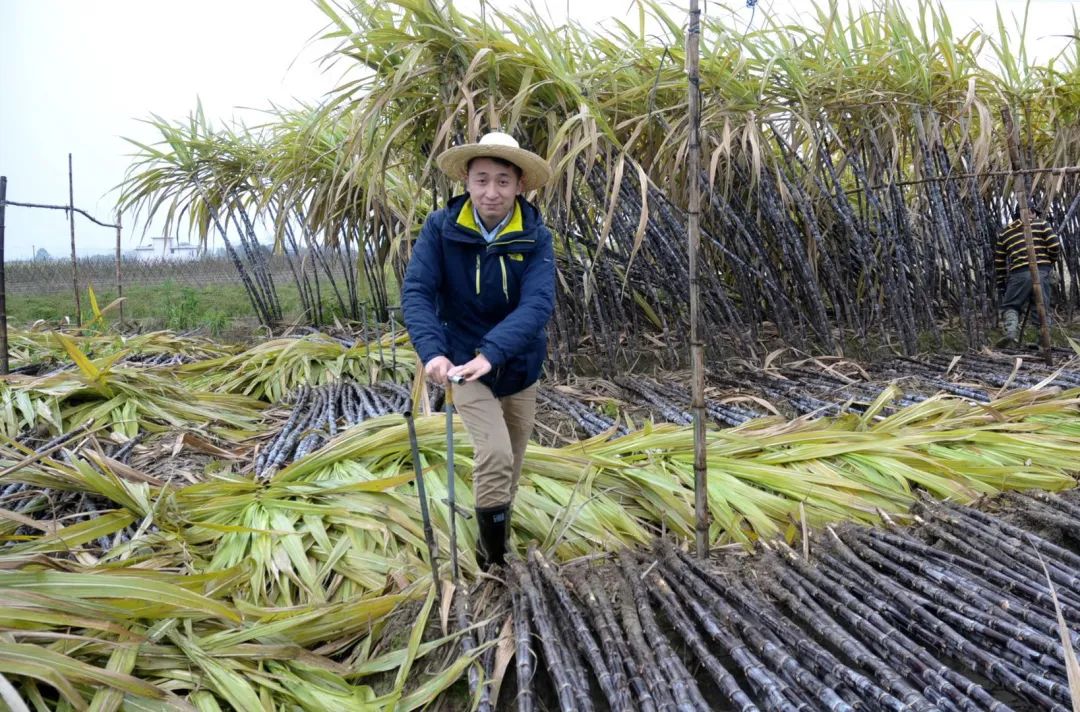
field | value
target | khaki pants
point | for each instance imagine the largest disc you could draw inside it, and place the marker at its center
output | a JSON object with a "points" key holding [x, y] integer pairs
{"points": [[499, 429]]}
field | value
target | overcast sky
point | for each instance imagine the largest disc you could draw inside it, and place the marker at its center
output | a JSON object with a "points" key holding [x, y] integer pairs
{"points": [[76, 76]]}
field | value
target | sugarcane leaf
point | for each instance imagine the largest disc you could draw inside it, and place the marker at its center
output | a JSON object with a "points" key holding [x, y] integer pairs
{"points": [[93, 305], [86, 366], [228, 683], [431, 688], [415, 637], [124, 589], [33, 659], [10, 696], [122, 661]]}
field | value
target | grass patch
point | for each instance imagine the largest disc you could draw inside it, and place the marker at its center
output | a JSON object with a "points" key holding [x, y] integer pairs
{"points": [[211, 308]]}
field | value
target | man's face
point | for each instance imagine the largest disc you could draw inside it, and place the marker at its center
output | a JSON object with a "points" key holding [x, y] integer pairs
{"points": [[492, 187]]}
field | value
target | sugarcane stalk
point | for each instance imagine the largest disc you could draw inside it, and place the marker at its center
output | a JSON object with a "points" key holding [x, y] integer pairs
{"points": [[674, 612], [1046, 503], [644, 654], [550, 640], [700, 597], [969, 609], [1001, 571], [575, 666], [617, 697], [829, 667], [683, 687], [1012, 554], [603, 612], [879, 632], [523, 653], [1069, 561], [623, 668], [958, 592], [1021, 194], [945, 637]]}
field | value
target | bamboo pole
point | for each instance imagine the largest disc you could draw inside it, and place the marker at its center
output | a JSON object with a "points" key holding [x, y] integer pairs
{"points": [[1029, 240], [74, 264], [119, 281], [3, 291], [697, 349]]}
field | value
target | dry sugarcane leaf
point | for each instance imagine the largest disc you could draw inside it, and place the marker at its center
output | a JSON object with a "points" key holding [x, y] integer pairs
{"points": [[1072, 666], [177, 446], [444, 609], [1008, 381], [772, 356], [11, 697], [205, 446], [124, 470], [643, 222], [504, 653], [47, 526], [752, 399]]}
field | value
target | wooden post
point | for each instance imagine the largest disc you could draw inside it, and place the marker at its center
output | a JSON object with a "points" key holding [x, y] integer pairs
{"points": [[119, 281], [697, 347], [74, 264], [1029, 240], [3, 289]]}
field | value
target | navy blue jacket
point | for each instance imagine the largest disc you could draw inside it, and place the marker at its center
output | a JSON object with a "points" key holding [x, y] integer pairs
{"points": [[463, 296]]}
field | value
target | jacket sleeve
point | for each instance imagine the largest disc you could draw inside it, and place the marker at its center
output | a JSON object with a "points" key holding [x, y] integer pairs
{"points": [[1054, 245], [517, 332], [423, 279]]}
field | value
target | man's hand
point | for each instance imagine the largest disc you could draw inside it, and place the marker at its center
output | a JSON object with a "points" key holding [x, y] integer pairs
{"points": [[437, 369], [473, 369]]}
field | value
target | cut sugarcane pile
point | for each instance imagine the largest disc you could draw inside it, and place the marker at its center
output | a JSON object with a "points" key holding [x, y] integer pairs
{"points": [[810, 388], [957, 613], [129, 509], [318, 413]]}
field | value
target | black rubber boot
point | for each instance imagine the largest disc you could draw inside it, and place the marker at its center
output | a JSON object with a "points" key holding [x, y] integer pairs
{"points": [[494, 526]]}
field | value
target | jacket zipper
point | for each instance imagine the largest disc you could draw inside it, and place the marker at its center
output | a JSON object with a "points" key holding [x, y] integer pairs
{"points": [[506, 290], [478, 274], [499, 243]]}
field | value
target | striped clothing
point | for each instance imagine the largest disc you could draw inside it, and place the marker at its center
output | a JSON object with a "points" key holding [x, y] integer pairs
{"points": [[1010, 252]]}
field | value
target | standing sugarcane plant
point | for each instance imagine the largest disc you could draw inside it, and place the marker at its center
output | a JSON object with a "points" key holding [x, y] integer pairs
{"points": [[697, 348], [827, 223], [203, 175]]}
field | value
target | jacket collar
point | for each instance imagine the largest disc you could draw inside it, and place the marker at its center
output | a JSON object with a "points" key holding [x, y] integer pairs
{"points": [[467, 219], [461, 225]]}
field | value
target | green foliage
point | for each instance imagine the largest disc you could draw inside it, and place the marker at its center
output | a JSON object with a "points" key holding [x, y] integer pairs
{"points": [[211, 308], [181, 308]]}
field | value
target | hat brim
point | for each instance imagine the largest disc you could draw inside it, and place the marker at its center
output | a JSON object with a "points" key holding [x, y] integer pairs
{"points": [[535, 171]]}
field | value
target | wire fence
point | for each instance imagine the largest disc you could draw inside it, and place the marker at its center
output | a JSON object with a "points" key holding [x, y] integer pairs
{"points": [[29, 277]]}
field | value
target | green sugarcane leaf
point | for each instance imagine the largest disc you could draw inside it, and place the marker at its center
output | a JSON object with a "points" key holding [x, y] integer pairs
{"points": [[121, 588]]}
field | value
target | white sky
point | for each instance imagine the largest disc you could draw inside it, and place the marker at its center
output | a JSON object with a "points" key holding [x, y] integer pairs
{"points": [[76, 76]]}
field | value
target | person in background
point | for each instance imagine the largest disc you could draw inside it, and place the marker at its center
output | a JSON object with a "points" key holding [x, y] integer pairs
{"points": [[1014, 276], [477, 296]]}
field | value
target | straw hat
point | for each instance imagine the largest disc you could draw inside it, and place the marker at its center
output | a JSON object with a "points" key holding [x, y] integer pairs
{"points": [[535, 171]]}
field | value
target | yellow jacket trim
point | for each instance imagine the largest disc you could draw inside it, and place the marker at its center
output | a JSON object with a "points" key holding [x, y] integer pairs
{"points": [[465, 219]]}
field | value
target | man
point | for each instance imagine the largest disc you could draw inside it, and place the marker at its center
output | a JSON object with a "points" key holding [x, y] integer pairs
{"points": [[477, 296], [1014, 275]]}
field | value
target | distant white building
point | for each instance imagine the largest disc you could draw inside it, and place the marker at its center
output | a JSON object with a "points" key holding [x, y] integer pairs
{"points": [[166, 247]]}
